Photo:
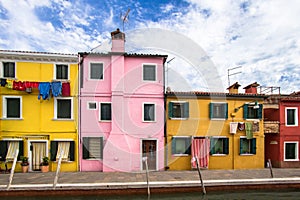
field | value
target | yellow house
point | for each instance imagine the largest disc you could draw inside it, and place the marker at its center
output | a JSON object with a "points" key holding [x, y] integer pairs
{"points": [[39, 109], [217, 130]]}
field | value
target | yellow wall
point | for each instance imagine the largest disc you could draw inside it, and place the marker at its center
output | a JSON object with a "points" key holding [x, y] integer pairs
{"points": [[199, 124], [37, 121]]}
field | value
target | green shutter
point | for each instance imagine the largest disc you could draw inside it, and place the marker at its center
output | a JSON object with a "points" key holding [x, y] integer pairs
{"points": [[170, 111], [211, 110], [173, 145], [212, 146], [21, 149], [186, 110], [260, 111], [245, 108], [53, 150], [253, 146], [226, 146], [72, 151], [85, 148], [101, 143], [188, 146], [3, 150], [226, 111], [241, 145]]}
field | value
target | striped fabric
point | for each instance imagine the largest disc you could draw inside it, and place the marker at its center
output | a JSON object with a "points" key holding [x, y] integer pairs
{"points": [[200, 151]]}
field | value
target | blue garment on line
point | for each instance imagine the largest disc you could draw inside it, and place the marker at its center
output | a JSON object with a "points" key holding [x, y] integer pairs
{"points": [[56, 88], [44, 90]]}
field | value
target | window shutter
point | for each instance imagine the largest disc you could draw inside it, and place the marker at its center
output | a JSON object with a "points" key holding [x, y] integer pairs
{"points": [[72, 151], [211, 110], [260, 111], [245, 108], [241, 145], [226, 145], [226, 110], [170, 111], [21, 149], [173, 146], [85, 148], [186, 110], [3, 150], [188, 146], [53, 150], [101, 148], [212, 146], [253, 146]]}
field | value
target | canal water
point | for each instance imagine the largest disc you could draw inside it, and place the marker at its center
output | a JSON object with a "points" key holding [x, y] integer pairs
{"points": [[282, 194]]}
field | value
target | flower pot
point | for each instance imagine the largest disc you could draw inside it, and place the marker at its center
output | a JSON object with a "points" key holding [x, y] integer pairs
{"points": [[25, 168], [45, 168]]}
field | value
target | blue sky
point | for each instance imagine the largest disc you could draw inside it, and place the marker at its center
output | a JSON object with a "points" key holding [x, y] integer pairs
{"points": [[261, 36]]}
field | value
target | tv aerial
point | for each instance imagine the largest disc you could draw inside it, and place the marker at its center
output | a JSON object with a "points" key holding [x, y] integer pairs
{"points": [[125, 17]]}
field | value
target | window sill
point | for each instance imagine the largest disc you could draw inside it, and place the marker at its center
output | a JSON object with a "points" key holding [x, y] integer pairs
{"points": [[63, 161], [247, 154], [218, 119], [219, 155], [291, 160], [172, 118], [12, 119], [149, 121], [93, 159], [105, 121], [55, 119], [178, 155]]}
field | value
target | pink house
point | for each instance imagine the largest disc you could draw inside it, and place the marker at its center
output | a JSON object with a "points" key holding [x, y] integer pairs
{"points": [[121, 109]]}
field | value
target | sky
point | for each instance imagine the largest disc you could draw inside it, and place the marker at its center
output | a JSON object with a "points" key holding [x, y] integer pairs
{"points": [[249, 40]]}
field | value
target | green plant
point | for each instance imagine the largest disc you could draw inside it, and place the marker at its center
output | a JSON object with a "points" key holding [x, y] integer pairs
{"points": [[24, 160], [45, 161]]}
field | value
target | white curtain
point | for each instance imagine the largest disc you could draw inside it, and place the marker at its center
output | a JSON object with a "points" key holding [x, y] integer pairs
{"points": [[38, 152], [65, 148], [12, 147]]}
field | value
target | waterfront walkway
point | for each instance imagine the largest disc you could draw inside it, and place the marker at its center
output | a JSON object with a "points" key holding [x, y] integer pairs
{"points": [[166, 180]]}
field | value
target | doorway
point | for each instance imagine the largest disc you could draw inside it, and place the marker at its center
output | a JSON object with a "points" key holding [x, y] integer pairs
{"points": [[38, 150], [149, 148]]}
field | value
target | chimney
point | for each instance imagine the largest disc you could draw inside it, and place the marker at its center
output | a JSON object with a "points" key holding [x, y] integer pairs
{"points": [[252, 88], [118, 41], [234, 89]]}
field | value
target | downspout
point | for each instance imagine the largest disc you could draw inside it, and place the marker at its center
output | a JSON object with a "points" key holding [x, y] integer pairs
{"points": [[165, 121], [80, 60]]}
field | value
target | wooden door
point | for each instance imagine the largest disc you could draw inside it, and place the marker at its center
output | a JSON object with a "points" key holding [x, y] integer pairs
{"points": [[149, 151]]}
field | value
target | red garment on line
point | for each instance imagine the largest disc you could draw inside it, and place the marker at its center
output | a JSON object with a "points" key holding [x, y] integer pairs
{"points": [[65, 92]]}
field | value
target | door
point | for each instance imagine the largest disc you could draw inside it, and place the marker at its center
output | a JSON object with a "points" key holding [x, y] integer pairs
{"points": [[38, 151], [149, 151]]}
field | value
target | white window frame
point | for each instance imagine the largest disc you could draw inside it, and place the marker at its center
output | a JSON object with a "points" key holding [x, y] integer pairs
{"points": [[55, 108], [226, 106], [182, 154], [101, 120], [89, 77], [297, 150], [220, 137], [54, 70], [4, 106], [88, 105], [2, 69], [153, 64], [296, 116], [181, 104], [149, 103]]}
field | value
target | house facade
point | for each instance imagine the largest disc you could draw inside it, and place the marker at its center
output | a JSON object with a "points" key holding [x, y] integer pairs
{"points": [[282, 130], [121, 109], [219, 130], [39, 108]]}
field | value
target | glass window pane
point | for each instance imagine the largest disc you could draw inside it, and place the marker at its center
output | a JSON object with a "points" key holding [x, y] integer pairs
{"points": [[149, 112], [9, 69], [61, 71], [290, 116], [95, 148], [105, 111], [290, 151], [96, 71], [149, 72], [245, 146], [219, 149], [64, 108], [92, 105], [13, 108]]}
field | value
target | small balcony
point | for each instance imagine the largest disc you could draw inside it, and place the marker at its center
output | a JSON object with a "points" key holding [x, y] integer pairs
{"points": [[271, 127]]}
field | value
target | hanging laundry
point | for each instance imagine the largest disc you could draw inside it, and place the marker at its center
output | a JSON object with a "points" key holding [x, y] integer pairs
{"points": [[3, 82], [44, 90], [249, 132], [35, 84], [9, 83], [255, 127], [66, 89], [233, 127], [18, 85], [56, 88], [241, 126]]}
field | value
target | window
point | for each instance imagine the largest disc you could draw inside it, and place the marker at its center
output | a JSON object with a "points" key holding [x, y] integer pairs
{"points": [[218, 110], [8, 149], [291, 151], [63, 108], [181, 145], [149, 112], [149, 72], [105, 111], [92, 106], [219, 145], [96, 71], [247, 146], [64, 148], [9, 70], [178, 109], [251, 112], [62, 72], [291, 116], [92, 148], [12, 107]]}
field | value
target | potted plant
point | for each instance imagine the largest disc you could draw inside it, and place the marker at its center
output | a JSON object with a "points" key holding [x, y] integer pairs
{"points": [[45, 164], [24, 164]]}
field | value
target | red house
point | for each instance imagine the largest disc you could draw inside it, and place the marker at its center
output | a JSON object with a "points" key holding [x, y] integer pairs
{"points": [[282, 130]]}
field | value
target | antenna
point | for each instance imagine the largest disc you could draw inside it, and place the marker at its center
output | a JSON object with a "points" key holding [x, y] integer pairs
{"points": [[125, 17], [230, 74]]}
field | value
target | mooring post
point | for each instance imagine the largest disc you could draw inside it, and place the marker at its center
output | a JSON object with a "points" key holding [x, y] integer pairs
{"points": [[147, 176], [13, 169], [57, 170], [270, 166], [200, 176]]}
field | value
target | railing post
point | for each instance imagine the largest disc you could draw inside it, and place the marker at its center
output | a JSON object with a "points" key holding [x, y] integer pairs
{"points": [[200, 176], [147, 176], [13, 169], [57, 170], [270, 166]]}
